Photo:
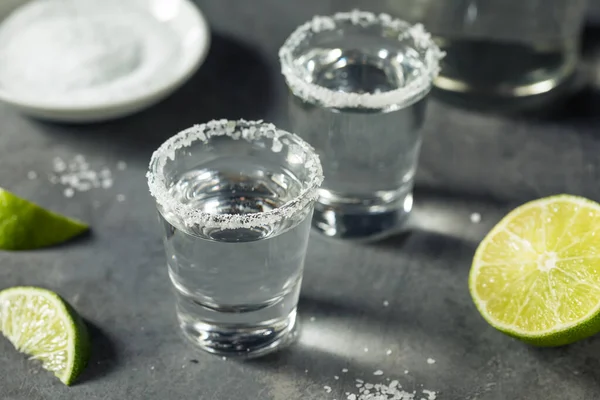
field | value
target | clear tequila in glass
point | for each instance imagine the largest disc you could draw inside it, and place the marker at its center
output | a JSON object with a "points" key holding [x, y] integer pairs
{"points": [[235, 200], [358, 85]]}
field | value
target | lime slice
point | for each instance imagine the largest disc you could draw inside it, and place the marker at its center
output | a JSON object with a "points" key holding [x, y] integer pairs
{"points": [[26, 226], [536, 275], [41, 324]]}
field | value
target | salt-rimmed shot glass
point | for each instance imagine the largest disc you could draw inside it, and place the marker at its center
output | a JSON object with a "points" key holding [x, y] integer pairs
{"points": [[359, 84], [235, 200]]}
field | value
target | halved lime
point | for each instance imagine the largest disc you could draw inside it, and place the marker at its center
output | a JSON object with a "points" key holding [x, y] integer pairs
{"points": [[26, 226], [536, 275], [40, 323]]}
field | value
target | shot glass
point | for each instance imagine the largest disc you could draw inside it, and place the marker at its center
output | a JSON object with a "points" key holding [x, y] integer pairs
{"points": [[235, 200], [359, 84]]}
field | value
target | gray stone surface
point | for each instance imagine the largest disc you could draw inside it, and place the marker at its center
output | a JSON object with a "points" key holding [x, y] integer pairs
{"points": [[117, 279]]}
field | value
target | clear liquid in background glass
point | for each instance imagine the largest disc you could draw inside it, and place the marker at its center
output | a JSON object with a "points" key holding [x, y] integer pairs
{"points": [[237, 289], [506, 54], [369, 156], [490, 69]]}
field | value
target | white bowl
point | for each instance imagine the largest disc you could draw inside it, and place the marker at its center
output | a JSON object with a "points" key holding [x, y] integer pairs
{"points": [[181, 17]]}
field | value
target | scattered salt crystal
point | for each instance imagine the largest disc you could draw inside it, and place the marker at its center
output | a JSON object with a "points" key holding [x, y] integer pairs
{"points": [[475, 218], [306, 371], [327, 389], [312, 319], [405, 371], [58, 164], [386, 303], [152, 367], [360, 380], [378, 372], [69, 192], [430, 361], [121, 165], [224, 358], [76, 174], [336, 377], [391, 391], [120, 198], [32, 175], [83, 186], [344, 370], [366, 349], [388, 352]]}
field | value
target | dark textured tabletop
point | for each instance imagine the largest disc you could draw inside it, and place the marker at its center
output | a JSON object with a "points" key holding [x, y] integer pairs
{"points": [[394, 306]]}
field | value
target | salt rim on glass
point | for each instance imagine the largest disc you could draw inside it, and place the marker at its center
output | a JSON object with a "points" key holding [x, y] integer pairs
{"points": [[236, 130], [403, 96]]}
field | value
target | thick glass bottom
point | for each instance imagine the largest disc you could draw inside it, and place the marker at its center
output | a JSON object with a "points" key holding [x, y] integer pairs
{"points": [[243, 340], [366, 220]]}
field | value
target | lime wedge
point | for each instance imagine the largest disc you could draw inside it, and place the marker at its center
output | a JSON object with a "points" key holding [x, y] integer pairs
{"points": [[26, 226], [42, 325], [536, 275]]}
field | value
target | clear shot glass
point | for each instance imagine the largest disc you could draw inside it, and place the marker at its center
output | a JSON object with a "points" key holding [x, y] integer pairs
{"points": [[235, 200], [359, 84]]}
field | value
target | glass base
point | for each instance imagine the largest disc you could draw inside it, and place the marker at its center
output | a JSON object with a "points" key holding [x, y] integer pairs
{"points": [[242, 341], [368, 223], [547, 100]]}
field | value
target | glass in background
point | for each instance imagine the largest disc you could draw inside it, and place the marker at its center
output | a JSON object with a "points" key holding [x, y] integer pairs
{"points": [[358, 90], [503, 51]]}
